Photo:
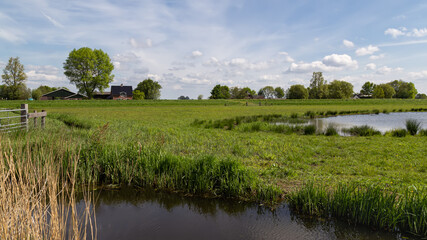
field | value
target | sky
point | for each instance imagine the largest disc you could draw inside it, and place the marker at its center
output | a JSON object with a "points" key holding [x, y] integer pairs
{"points": [[189, 46]]}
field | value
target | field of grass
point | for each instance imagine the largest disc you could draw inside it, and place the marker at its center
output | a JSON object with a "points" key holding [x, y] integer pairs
{"points": [[155, 143]]}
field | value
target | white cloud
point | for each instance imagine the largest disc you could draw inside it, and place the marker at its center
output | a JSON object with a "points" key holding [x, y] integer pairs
{"points": [[348, 43], [371, 66], [418, 75], [369, 50], [243, 63], [196, 53], [270, 77], [11, 36], [177, 87], [387, 70], [316, 66], [141, 44], [336, 60], [376, 57], [287, 57], [53, 21], [422, 32], [394, 32]]}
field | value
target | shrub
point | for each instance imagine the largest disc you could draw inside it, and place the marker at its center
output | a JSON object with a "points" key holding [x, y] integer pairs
{"points": [[331, 130], [399, 133], [310, 114], [309, 129], [376, 111], [413, 126], [363, 131], [423, 132], [294, 115]]}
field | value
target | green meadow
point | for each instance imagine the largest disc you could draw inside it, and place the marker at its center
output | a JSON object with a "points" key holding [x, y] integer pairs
{"points": [[156, 144]]}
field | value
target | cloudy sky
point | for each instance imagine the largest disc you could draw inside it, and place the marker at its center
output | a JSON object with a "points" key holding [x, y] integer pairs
{"points": [[189, 46]]}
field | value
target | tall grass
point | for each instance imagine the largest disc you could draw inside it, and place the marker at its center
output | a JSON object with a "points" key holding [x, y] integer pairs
{"points": [[35, 203], [364, 131], [370, 205], [413, 126]]}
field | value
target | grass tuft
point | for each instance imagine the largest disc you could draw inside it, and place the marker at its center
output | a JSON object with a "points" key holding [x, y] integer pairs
{"points": [[413, 126]]}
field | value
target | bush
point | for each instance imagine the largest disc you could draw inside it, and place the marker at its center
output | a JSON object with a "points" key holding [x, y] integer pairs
{"points": [[423, 132], [363, 131], [413, 126], [399, 133], [331, 130], [309, 130], [294, 115]]}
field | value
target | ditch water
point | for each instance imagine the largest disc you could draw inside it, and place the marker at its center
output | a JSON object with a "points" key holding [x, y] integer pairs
{"points": [[382, 122], [132, 214]]}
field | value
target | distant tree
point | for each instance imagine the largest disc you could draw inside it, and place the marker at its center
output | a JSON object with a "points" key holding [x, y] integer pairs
{"points": [[138, 95], [279, 92], [340, 89], [403, 89], [150, 88], [378, 92], [297, 92], [241, 93], [200, 97], [220, 92], [388, 90], [41, 90], [14, 78], [367, 88], [421, 96], [318, 87], [89, 70], [267, 92], [183, 98]]}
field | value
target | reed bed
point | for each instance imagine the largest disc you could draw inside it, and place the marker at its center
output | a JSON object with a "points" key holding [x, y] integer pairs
{"points": [[370, 205], [35, 203]]}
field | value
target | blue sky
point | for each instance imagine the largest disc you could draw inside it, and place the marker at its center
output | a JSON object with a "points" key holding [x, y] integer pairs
{"points": [[189, 46]]}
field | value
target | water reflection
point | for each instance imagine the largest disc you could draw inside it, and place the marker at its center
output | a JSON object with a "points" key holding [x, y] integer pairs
{"points": [[382, 122], [131, 214]]}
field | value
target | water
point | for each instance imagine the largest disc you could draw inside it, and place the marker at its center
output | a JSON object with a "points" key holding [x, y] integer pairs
{"points": [[382, 122], [132, 214]]}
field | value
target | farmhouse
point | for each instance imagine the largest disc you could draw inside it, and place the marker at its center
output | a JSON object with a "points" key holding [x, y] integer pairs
{"points": [[62, 94], [121, 92]]}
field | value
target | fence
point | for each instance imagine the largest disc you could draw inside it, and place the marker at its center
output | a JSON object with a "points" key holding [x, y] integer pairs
{"points": [[17, 119]]}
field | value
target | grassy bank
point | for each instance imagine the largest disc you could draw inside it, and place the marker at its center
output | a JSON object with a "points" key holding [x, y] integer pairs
{"points": [[156, 143]]}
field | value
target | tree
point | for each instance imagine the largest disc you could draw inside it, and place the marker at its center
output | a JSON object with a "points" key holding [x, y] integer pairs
{"points": [[318, 86], [89, 70], [279, 92], [241, 93], [41, 90], [388, 90], [200, 97], [183, 98], [14, 78], [421, 96], [367, 88], [138, 95], [378, 92], [403, 89], [220, 92], [297, 92], [267, 92], [150, 88], [340, 89]]}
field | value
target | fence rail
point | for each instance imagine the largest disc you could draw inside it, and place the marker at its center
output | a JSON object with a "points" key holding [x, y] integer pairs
{"points": [[7, 126]]}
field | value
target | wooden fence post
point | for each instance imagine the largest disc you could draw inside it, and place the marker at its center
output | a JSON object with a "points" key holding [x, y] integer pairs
{"points": [[24, 115], [35, 120], [43, 120]]}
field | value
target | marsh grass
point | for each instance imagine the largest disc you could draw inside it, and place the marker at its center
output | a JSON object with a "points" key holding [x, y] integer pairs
{"points": [[331, 130], [398, 133], [371, 205], [37, 198], [413, 126], [363, 131], [423, 132], [309, 129]]}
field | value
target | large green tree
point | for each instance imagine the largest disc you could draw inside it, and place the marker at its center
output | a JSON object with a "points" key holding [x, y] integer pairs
{"points": [[388, 90], [220, 92], [403, 89], [297, 92], [14, 78], [279, 92], [340, 89], [267, 92], [318, 86], [150, 88], [367, 88], [89, 70]]}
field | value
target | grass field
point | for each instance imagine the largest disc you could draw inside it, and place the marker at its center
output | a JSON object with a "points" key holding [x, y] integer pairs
{"points": [[155, 143]]}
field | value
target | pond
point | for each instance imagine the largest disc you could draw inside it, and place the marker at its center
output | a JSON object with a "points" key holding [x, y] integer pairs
{"points": [[382, 122], [132, 214]]}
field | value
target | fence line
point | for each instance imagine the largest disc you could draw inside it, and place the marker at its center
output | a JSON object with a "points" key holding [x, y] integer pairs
{"points": [[24, 116]]}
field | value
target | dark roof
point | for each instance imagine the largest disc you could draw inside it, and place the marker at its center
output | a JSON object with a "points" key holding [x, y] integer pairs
{"points": [[60, 93], [116, 90], [77, 95]]}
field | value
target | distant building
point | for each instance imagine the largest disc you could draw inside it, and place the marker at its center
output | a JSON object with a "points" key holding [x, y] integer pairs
{"points": [[121, 92], [62, 94]]}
